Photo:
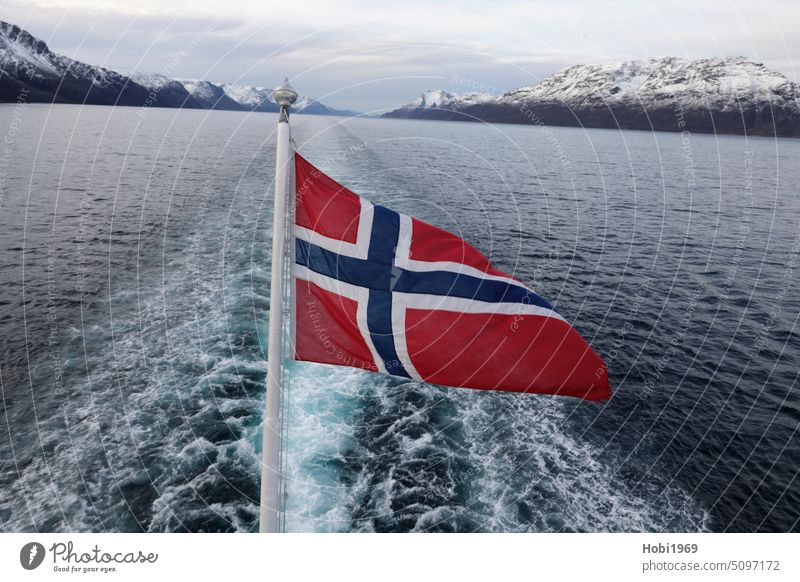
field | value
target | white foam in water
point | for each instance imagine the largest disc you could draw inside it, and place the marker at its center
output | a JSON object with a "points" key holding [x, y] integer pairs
{"points": [[519, 462], [322, 404], [162, 434], [535, 476], [517, 458], [134, 441]]}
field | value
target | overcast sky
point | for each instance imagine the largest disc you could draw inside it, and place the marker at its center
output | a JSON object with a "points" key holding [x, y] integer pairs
{"points": [[374, 55]]}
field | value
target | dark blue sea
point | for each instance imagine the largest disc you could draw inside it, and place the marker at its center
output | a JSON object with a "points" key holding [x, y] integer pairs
{"points": [[134, 302]]}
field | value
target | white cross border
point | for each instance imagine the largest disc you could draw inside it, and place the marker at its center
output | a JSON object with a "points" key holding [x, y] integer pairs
{"points": [[401, 301]]}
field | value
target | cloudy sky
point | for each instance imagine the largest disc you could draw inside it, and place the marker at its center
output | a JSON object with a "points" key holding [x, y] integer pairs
{"points": [[375, 55]]}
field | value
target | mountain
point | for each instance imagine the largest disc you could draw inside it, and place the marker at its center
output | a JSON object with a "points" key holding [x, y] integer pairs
{"points": [[210, 96], [168, 92], [716, 95], [437, 99], [254, 98], [30, 71], [260, 99]]}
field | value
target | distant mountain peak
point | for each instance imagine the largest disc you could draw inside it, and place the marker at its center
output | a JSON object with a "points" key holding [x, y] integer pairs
{"points": [[14, 34], [440, 98], [29, 69], [715, 94], [689, 81]]}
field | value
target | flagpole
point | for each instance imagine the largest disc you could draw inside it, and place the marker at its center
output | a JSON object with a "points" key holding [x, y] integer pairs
{"points": [[270, 510]]}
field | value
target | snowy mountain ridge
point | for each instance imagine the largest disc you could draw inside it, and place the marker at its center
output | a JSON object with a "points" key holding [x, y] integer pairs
{"points": [[728, 95], [439, 98], [698, 83], [29, 67], [30, 70]]}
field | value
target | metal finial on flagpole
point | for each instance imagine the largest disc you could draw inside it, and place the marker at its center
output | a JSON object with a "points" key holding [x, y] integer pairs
{"points": [[285, 96], [271, 501]]}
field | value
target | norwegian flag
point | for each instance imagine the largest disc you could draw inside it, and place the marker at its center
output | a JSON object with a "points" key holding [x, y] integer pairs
{"points": [[383, 291]]}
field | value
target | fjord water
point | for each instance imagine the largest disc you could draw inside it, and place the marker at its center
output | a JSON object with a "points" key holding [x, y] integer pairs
{"points": [[134, 299]]}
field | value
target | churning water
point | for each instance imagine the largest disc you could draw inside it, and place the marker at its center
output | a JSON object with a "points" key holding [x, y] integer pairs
{"points": [[134, 299]]}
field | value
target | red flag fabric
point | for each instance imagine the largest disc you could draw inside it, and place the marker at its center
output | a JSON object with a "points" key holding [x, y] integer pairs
{"points": [[386, 292]]}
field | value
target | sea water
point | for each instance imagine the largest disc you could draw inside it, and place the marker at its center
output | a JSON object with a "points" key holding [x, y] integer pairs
{"points": [[134, 303]]}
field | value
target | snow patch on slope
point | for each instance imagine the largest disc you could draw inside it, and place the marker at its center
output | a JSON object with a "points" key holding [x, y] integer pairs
{"points": [[718, 82], [437, 98], [152, 81], [247, 95]]}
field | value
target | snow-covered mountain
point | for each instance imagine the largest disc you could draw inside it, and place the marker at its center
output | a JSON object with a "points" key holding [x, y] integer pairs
{"points": [[28, 68], [723, 95], [257, 98], [719, 83], [442, 99], [30, 71], [164, 89], [260, 99], [210, 96], [250, 98]]}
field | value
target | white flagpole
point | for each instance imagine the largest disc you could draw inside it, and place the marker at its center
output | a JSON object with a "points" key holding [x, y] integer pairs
{"points": [[271, 506]]}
